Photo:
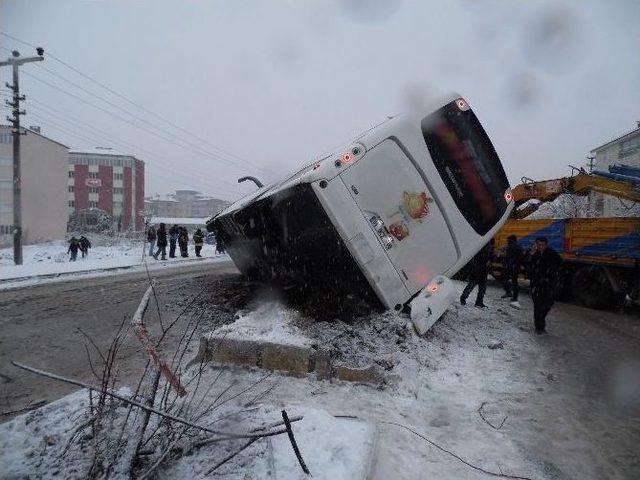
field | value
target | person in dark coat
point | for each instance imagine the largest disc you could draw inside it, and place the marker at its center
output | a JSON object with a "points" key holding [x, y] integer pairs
{"points": [[198, 240], [183, 242], [74, 246], [151, 238], [219, 243], [545, 269], [85, 245], [478, 276], [513, 258], [161, 242], [174, 232]]}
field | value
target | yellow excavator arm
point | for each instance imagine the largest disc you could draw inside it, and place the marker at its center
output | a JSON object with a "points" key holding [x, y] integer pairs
{"points": [[580, 184]]}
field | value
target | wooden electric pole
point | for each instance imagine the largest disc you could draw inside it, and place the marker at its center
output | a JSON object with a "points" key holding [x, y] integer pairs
{"points": [[15, 61]]}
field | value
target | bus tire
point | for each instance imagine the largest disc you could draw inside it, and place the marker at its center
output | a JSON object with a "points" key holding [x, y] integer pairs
{"points": [[591, 286]]}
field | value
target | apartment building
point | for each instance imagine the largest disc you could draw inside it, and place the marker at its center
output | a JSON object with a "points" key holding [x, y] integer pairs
{"points": [[109, 180]]}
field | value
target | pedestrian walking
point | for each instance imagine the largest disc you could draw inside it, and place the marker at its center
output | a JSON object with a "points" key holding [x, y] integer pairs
{"points": [[198, 240], [174, 233], [151, 238], [161, 241], [183, 242], [74, 246], [478, 276], [545, 269], [513, 258], [85, 245]]}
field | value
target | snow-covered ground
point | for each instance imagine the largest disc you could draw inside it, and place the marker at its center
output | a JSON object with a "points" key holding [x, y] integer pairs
{"points": [[480, 385], [50, 261]]}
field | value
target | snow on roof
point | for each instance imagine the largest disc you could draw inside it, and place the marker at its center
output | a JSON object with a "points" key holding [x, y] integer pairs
{"points": [[102, 151], [620, 137], [179, 220]]}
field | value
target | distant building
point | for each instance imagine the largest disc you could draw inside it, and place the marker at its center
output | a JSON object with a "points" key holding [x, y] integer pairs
{"points": [[623, 150], [111, 181], [44, 180], [184, 203]]}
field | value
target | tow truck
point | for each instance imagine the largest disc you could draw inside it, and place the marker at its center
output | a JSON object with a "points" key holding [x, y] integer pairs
{"points": [[601, 256]]}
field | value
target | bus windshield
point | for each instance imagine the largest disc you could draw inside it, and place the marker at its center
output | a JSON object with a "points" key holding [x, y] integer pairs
{"points": [[468, 164]]}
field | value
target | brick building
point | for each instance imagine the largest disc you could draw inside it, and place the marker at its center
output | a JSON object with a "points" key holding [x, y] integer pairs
{"points": [[111, 181]]}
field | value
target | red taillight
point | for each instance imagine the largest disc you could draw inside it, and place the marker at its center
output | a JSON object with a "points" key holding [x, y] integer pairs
{"points": [[347, 157], [432, 287], [462, 104], [508, 196]]}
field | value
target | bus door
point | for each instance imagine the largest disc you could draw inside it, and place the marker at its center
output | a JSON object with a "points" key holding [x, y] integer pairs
{"points": [[402, 211]]}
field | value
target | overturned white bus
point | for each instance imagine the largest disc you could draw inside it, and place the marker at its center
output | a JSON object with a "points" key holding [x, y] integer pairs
{"points": [[412, 198]]}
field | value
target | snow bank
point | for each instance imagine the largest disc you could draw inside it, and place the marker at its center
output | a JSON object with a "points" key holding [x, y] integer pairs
{"points": [[268, 322], [51, 259]]}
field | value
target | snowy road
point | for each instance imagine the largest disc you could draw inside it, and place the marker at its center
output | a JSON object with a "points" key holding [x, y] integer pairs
{"points": [[39, 324]]}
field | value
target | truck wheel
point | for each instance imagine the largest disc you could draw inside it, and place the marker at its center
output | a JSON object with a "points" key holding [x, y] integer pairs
{"points": [[592, 288]]}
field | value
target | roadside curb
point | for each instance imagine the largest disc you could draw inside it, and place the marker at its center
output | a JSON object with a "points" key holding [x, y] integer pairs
{"points": [[293, 360]]}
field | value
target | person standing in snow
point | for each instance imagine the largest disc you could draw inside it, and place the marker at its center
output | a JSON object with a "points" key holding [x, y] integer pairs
{"points": [[151, 238], [219, 243], [161, 242], [85, 245], [183, 242], [545, 269], [512, 261], [174, 232], [74, 245], [478, 276], [198, 240]]}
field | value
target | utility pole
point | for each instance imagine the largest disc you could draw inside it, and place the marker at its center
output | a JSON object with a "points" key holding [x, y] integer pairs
{"points": [[15, 61], [591, 159]]}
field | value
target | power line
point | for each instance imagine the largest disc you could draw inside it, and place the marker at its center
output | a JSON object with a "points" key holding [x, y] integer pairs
{"points": [[113, 92], [63, 116], [126, 120], [38, 116], [140, 119]]}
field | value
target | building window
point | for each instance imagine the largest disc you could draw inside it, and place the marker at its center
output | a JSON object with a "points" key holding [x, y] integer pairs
{"points": [[118, 176], [118, 190], [72, 203], [93, 175], [93, 204], [6, 137], [94, 189], [72, 174], [71, 188], [6, 160]]}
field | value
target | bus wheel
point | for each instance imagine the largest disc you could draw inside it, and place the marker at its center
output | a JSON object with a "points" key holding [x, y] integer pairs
{"points": [[592, 288]]}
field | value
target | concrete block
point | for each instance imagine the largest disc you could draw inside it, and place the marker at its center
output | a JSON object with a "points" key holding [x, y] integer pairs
{"points": [[322, 364], [289, 358], [360, 375], [230, 351]]}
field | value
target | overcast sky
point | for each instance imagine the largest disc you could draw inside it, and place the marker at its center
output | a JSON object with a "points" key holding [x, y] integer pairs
{"points": [[261, 87]]}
